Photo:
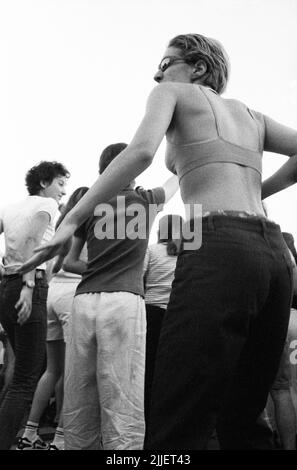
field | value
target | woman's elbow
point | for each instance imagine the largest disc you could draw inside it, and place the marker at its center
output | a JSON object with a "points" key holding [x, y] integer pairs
{"points": [[148, 159], [142, 154], [66, 266], [145, 158]]}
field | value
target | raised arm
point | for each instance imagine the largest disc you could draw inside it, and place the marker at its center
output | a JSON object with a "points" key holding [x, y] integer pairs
{"points": [[282, 140], [135, 158], [130, 163]]}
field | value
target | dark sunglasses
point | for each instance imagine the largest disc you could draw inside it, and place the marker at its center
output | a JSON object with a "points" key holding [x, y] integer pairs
{"points": [[168, 61]]}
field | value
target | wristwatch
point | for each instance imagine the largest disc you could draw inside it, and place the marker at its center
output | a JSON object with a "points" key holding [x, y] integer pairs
{"points": [[29, 283]]}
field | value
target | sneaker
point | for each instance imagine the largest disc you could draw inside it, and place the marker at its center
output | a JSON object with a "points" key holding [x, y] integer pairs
{"points": [[24, 444], [39, 444], [53, 447]]}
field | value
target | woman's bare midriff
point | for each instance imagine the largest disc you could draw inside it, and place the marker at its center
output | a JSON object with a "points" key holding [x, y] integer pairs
{"points": [[223, 186]]}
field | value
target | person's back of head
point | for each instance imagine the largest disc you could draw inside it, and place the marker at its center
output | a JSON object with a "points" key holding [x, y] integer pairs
{"points": [[196, 47], [109, 154], [170, 232], [43, 174], [72, 201]]}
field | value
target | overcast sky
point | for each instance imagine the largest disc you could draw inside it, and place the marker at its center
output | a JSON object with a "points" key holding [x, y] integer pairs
{"points": [[75, 76]]}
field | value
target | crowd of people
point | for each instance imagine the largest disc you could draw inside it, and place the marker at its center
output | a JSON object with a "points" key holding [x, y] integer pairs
{"points": [[163, 346]]}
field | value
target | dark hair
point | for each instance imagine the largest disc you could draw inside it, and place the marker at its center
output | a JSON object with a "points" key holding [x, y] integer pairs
{"points": [[170, 232], [109, 154], [44, 172], [289, 239], [72, 201], [197, 46]]}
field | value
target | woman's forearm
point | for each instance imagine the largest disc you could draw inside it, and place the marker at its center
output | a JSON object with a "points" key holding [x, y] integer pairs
{"points": [[76, 267], [281, 179], [120, 172]]}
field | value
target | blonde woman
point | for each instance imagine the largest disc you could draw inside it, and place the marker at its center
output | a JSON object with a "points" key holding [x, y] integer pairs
{"points": [[226, 322]]}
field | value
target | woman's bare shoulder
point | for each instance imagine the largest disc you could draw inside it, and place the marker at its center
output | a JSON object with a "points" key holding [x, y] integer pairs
{"points": [[176, 88]]}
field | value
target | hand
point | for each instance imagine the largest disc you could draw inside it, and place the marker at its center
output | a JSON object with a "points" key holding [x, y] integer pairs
{"points": [[50, 249], [2, 334], [24, 305]]}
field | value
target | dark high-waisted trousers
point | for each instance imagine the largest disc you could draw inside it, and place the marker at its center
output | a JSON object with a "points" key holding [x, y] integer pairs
{"points": [[28, 343], [222, 337]]}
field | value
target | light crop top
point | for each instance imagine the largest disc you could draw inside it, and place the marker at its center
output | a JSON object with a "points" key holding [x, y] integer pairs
{"points": [[228, 132]]}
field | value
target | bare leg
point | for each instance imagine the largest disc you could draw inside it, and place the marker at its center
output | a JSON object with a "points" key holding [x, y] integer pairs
{"points": [[285, 417], [59, 393], [9, 359], [47, 382]]}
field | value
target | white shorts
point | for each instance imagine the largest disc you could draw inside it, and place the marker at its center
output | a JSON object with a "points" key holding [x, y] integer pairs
{"points": [[59, 308]]}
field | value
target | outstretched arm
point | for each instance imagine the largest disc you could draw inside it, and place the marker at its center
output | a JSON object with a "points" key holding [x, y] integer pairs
{"points": [[132, 161], [283, 140], [59, 260]]}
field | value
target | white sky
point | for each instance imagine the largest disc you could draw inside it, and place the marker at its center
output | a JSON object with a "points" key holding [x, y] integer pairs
{"points": [[75, 76]]}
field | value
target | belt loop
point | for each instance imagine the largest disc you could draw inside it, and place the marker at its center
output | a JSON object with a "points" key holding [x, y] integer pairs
{"points": [[39, 274], [264, 230], [263, 227]]}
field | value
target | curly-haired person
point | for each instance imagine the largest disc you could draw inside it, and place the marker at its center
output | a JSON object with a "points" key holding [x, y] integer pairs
{"points": [[23, 315]]}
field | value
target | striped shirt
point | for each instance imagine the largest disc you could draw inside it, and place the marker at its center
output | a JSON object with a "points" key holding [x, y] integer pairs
{"points": [[159, 270]]}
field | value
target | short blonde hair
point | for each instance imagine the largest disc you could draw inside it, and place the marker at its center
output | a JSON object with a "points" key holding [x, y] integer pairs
{"points": [[195, 47]]}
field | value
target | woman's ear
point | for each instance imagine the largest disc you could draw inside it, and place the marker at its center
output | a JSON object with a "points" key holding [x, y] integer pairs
{"points": [[200, 69], [43, 184]]}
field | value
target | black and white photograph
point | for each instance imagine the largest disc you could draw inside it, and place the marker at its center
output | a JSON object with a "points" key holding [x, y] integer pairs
{"points": [[148, 227]]}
